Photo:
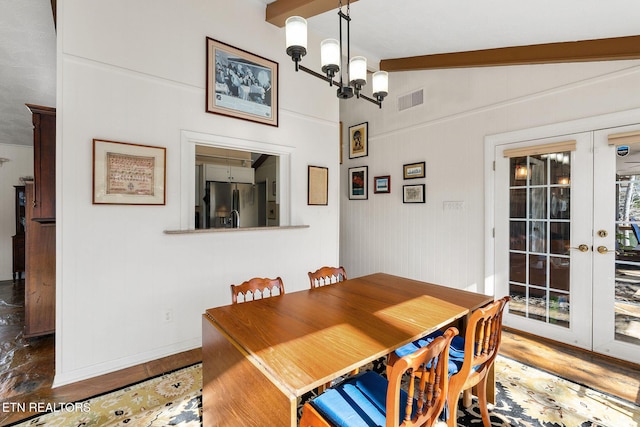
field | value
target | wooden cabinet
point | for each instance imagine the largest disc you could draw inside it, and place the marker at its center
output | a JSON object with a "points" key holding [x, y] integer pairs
{"points": [[18, 239], [40, 280], [225, 173], [44, 163]]}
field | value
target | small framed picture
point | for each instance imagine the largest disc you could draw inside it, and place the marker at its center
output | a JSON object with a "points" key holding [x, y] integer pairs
{"points": [[317, 185], [358, 189], [382, 184], [413, 193], [413, 170], [359, 140], [128, 174]]}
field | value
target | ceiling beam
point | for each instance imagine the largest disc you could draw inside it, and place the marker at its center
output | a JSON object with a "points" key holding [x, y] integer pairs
{"points": [[280, 10], [612, 49]]}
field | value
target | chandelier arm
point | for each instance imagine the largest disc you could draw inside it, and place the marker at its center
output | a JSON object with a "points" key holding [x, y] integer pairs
{"points": [[374, 101], [318, 75]]}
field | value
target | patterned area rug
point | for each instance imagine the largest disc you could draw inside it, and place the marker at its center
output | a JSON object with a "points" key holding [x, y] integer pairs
{"points": [[526, 397]]}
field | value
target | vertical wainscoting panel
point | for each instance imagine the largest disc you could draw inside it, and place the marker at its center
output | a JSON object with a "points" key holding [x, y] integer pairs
{"points": [[442, 241]]}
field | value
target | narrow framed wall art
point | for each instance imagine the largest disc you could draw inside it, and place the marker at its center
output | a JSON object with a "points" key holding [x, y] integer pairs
{"points": [[358, 187]]}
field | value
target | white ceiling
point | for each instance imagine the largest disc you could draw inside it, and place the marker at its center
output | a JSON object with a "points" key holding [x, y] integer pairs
{"points": [[385, 29], [27, 66], [380, 29]]}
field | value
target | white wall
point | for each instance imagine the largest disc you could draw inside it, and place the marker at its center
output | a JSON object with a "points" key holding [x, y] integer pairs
{"points": [[20, 164], [135, 72], [427, 242]]}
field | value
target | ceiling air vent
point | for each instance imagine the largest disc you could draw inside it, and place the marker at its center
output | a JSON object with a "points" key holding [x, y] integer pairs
{"points": [[411, 100]]}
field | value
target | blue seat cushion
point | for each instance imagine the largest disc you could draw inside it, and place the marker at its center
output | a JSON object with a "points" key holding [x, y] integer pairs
{"points": [[358, 401], [456, 350]]}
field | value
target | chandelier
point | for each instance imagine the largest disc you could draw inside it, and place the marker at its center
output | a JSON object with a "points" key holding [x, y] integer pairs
{"points": [[331, 56]]}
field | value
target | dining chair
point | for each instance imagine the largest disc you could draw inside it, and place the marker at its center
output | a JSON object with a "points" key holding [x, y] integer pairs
{"points": [[470, 357], [413, 395], [326, 276], [256, 288]]}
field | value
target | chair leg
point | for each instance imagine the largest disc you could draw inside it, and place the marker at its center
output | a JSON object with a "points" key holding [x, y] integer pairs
{"points": [[482, 401], [452, 403]]}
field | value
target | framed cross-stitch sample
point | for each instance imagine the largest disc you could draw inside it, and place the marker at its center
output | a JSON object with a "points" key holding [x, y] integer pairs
{"points": [[128, 174]]}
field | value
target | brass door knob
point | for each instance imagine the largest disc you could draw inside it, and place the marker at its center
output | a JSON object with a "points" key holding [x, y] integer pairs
{"points": [[603, 249], [582, 248], [603, 233]]}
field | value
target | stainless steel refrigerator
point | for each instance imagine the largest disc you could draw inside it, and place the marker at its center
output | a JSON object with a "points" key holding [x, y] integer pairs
{"points": [[230, 205]]}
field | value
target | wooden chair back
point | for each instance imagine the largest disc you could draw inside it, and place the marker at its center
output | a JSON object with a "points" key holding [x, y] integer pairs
{"points": [[483, 336], [256, 288], [481, 346], [326, 276], [427, 379], [423, 375]]}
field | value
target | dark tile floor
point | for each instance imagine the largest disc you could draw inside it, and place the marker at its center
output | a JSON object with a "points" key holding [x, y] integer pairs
{"points": [[25, 364]]}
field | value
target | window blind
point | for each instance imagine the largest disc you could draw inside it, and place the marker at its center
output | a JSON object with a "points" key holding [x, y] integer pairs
{"points": [[626, 138], [556, 147]]}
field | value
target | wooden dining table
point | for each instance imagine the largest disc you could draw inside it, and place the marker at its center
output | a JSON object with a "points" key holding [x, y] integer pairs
{"points": [[259, 357]]}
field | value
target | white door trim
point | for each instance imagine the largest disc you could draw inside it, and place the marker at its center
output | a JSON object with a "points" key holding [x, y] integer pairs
{"points": [[588, 124]]}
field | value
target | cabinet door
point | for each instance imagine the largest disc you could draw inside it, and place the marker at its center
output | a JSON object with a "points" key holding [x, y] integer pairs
{"points": [[40, 278], [217, 173], [44, 163], [244, 175], [20, 209]]}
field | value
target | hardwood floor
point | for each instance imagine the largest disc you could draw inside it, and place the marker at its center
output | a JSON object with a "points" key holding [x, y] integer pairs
{"points": [[27, 366], [612, 376]]}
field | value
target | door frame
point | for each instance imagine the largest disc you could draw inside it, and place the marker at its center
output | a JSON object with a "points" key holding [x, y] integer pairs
{"points": [[592, 124], [589, 124]]}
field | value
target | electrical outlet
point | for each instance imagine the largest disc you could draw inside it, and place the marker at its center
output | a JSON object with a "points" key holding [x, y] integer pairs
{"points": [[168, 315]]}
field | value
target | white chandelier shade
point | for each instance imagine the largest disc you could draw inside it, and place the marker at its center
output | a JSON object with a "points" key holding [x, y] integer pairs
{"points": [[296, 32], [331, 55]]}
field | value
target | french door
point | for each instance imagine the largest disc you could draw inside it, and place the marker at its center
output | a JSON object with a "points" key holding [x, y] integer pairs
{"points": [[567, 238]]}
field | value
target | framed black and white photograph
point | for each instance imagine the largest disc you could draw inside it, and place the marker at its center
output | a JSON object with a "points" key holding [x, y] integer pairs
{"points": [[359, 140], [413, 170], [413, 193], [382, 184], [241, 84], [358, 188]]}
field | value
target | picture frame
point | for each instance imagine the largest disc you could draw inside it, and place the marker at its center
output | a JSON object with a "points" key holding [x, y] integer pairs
{"points": [[414, 170], [382, 184], [414, 193], [317, 185], [359, 140], [241, 84], [128, 174], [358, 183]]}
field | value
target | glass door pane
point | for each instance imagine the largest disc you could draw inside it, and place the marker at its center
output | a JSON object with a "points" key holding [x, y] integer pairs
{"points": [[616, 255], [627, 273], [540, 235]]}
